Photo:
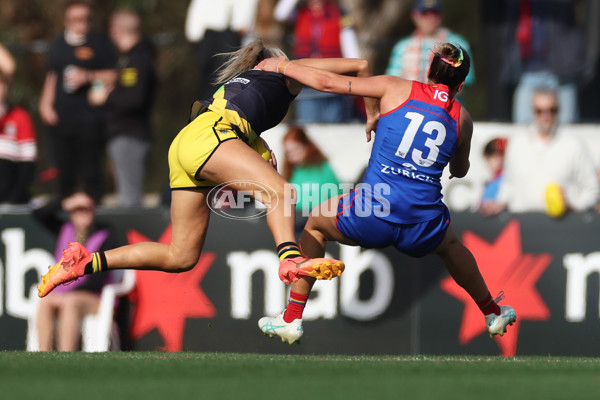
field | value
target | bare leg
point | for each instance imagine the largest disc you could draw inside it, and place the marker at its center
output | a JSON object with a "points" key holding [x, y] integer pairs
{"points": [[232, 161], [243, 169], [74, 307], [189, 222], [236, 161], [45, 323], [320, 228], [461, 265]]}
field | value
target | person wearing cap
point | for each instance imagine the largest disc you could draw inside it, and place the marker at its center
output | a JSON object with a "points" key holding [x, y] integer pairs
{"points": [[412, 55], [68, 305]]}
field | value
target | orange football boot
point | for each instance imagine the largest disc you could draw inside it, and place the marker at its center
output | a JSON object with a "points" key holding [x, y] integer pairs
{"points": [[70, 267], [291, 269]]}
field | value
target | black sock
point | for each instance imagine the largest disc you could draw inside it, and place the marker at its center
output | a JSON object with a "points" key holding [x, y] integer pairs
{"points": [[98, 263]]}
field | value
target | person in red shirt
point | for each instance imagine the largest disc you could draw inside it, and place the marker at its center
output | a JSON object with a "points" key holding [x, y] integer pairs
{"points": [[18, 150], [321, 29]]}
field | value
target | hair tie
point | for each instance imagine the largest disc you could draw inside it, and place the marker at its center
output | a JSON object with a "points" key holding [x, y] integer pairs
{"points": [[456, 63], [287, 65]]}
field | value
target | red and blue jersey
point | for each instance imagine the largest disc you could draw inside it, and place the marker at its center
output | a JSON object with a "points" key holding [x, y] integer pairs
{"points": [[413, 145]]}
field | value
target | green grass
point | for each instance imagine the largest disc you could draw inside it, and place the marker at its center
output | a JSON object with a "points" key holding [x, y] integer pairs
{"points": [[137, 375]]}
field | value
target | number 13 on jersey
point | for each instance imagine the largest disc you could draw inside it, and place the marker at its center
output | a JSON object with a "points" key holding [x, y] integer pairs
{"points": [[435, 129]]}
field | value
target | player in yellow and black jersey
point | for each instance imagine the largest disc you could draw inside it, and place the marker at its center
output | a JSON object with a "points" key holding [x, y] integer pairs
{"points": [[244, 107], [217, 147]]}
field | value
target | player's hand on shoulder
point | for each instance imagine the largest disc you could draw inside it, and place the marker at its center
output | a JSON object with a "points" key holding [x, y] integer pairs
{"points": [[270, 64]]}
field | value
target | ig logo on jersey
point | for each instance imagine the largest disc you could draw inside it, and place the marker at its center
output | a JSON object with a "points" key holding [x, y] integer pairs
{"points": [[441, 96]]}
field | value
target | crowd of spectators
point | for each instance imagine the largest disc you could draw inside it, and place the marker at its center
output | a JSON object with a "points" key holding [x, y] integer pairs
{"points": [[99, 89]]}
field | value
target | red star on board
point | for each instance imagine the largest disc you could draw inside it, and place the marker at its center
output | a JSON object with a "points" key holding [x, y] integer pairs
{"points": [[503, 266], [164, 300]]}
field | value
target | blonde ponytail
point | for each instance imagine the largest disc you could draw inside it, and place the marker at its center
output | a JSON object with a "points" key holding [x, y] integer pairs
{"points": [[245, 59]]}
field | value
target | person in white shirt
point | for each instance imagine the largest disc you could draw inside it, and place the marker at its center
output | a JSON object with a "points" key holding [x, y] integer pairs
{"points": [[217, 27], [545, 165]]}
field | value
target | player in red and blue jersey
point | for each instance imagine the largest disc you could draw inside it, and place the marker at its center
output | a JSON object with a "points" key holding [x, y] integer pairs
{"points": [[420, 130]]}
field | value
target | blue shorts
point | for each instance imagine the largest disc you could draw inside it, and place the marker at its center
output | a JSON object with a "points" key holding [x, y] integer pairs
{"points": [[371, 232]]}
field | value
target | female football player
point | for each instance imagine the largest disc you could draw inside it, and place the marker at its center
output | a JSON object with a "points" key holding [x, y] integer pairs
{"points": [[216, 147], [421, 129]]}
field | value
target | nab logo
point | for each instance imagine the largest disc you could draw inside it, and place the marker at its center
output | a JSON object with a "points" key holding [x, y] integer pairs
{"points": [[441, 96]]}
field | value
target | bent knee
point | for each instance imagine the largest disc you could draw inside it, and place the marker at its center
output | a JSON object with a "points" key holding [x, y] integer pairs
{"points": [[182, 263], [448, 243], [182, 266]]}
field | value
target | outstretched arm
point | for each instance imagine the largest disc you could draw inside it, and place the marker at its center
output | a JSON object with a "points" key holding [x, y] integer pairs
{"points": [[327, 81], [342, 66], [374, 88], [355, 67], [339, 66]]}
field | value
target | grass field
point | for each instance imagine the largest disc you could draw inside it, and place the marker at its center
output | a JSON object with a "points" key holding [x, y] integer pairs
{"points": [[137, 375]]}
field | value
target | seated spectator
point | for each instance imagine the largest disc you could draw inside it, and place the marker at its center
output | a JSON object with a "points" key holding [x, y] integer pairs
{"points": [[545, 162], [493, 152], [322, 29], [67, 305], [308, 170], [412, 55], [18, 150]]}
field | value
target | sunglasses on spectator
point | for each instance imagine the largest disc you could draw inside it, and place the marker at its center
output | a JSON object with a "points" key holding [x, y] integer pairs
{"points": [[552, 110]]}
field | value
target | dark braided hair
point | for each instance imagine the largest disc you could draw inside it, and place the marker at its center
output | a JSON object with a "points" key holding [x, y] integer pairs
{"points": [[450, 65]]}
